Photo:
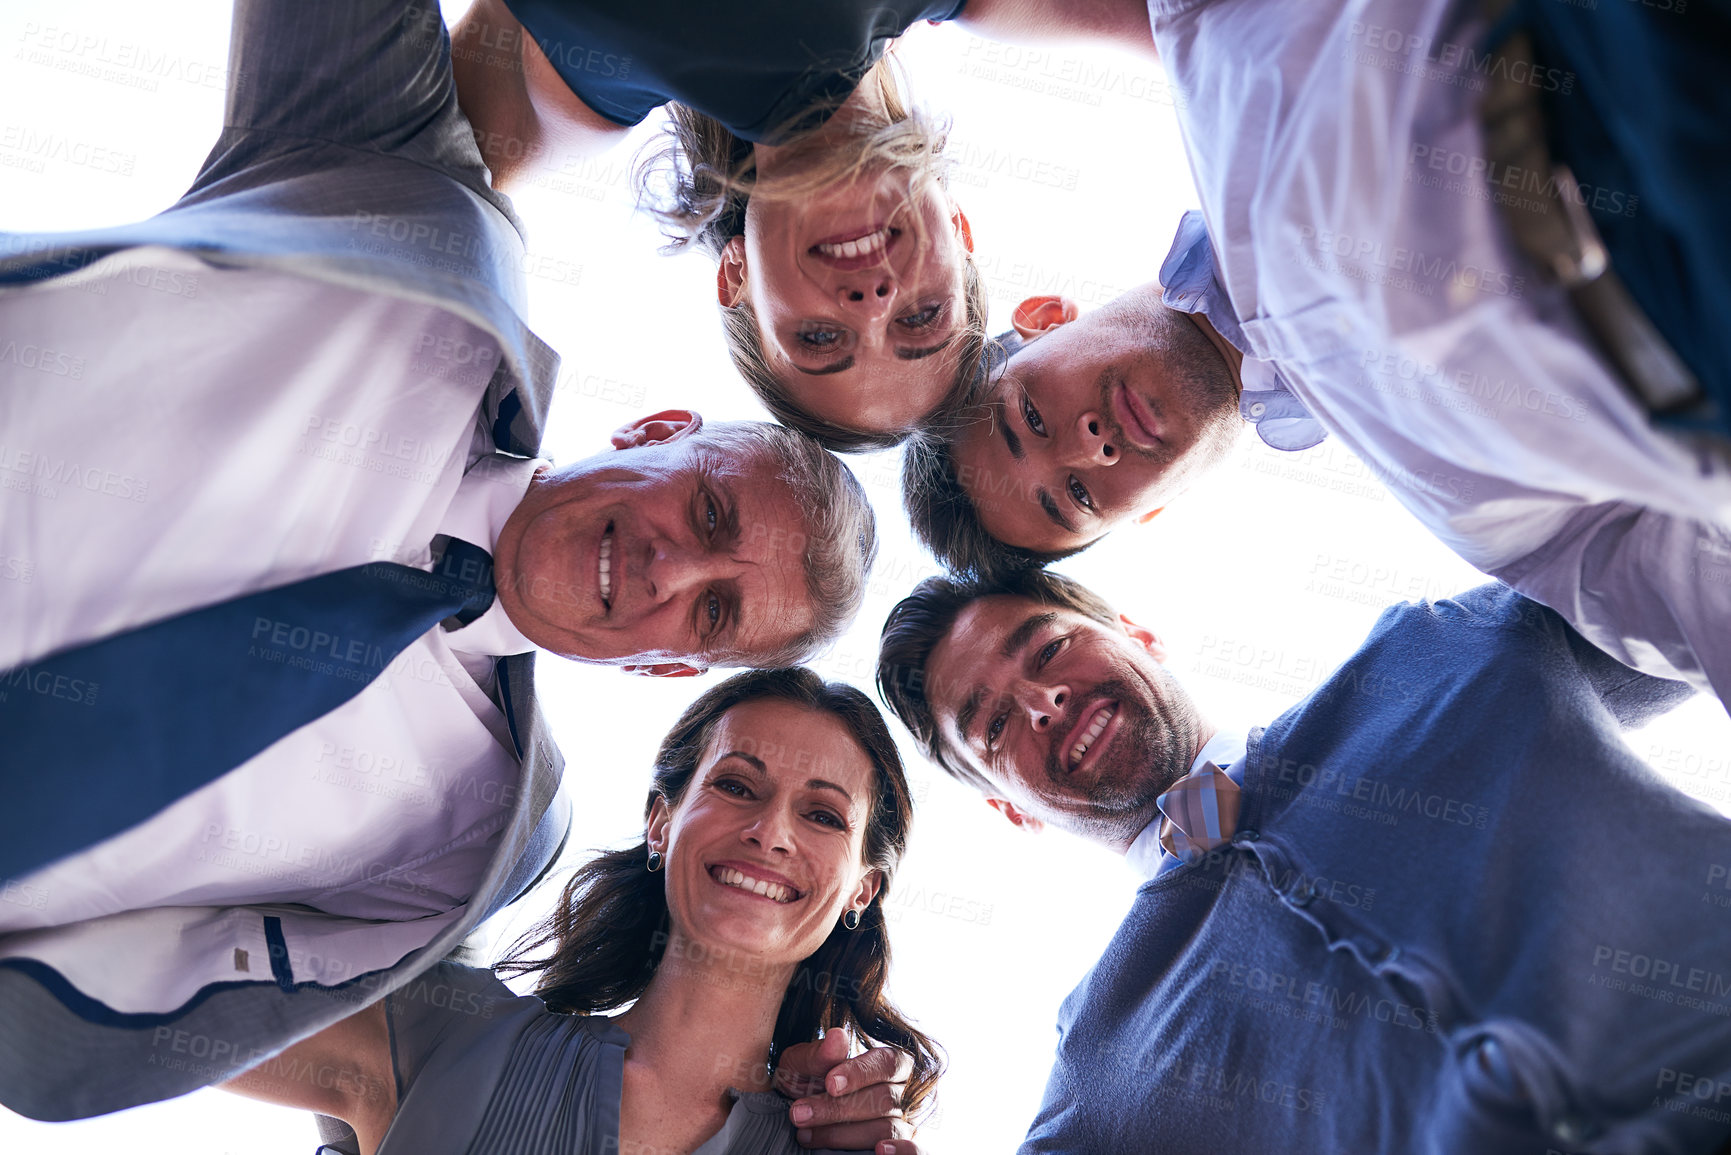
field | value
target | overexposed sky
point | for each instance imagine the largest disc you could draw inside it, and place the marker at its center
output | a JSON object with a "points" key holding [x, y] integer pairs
{"points": [[1073, 175]]}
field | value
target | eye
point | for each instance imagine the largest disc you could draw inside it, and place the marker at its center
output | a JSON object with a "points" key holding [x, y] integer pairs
{"points": [[827, 818], [819, 340], [710, 607], [995, 730], [711, 515], [1032, 417], [923, 319], [1049, 651], [732, 786], [1079, 494]]}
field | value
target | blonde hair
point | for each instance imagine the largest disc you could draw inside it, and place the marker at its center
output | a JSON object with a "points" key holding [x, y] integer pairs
{"points": [[697, 184]]}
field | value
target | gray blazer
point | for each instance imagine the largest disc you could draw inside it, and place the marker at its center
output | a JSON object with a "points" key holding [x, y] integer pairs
{"points": [[344, 158]]}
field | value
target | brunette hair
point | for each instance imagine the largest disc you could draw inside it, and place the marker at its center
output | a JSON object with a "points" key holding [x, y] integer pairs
{"points": [[699, 181], [600, 947]]}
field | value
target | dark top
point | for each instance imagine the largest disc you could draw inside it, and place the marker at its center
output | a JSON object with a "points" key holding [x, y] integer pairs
{"points": [[759, 69], [1458, 915], [483, 1071]]}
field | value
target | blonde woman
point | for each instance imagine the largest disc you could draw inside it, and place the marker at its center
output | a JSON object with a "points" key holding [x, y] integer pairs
{"points": [[848, 293]]}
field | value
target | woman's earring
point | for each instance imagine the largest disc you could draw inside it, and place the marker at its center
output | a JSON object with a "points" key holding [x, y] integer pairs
{"points": [[851, 920], [654, 861]]}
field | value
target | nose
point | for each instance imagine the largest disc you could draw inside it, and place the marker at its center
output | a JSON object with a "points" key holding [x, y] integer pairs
{"points": [[1093, 443], [1042, 703], [869, 294], [673, 570], [771, 830]]}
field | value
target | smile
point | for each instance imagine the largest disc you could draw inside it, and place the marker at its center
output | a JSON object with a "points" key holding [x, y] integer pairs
{"points": [[1137, 421], [1090, 733], [861, 246], [763, 887], [604, 567]]}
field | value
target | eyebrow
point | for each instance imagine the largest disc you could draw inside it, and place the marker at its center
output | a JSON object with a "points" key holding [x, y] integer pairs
{"points": [[1011, 437], [1055, 514], [841, 366], [965, 716], [756, 762], [821, 784]]}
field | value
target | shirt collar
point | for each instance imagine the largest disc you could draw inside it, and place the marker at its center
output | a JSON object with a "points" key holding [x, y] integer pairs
{"points": [[491, 489], [1226, 750], [1189, 282]]}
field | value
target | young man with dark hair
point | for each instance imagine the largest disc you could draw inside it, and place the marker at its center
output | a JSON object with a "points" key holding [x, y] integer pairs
{"points": [[1437, 906]]}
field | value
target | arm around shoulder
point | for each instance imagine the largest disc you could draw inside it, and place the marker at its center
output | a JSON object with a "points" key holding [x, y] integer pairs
{"points": [[344, 1071], [526, 118]]}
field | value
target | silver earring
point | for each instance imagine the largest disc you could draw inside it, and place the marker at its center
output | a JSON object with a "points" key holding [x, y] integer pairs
{"points": [[851, 920], [654, 861]]}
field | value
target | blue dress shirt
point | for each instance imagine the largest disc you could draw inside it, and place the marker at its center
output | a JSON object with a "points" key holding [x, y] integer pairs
{"points": [[1189, 284]]}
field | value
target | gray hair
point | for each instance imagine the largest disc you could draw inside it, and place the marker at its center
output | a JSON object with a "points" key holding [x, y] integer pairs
{"points": [[840, 533]]}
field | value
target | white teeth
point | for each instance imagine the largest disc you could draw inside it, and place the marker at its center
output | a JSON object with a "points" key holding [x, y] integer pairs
{"points": [[1095, 729], [860, 246], [727, 876], [606, 567]]}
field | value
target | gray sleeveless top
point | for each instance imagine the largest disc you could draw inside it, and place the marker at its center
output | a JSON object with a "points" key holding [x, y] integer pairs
{"points": [[483, 1071]]}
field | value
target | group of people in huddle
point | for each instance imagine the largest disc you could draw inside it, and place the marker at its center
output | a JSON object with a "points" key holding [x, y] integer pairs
{"points": [[1541, 380]]}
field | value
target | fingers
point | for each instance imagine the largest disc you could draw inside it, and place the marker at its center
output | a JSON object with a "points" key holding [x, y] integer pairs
{"points": [[857, 1136], [880, 1101], [802, 1067], [878, 1065], [899, 1147]]}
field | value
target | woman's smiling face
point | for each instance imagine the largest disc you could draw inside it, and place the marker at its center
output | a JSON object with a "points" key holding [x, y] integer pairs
{"points": [[764, 851], [859, 298]]}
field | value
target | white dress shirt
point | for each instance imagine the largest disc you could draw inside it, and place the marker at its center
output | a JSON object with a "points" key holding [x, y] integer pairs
{"points": [[1325, 139], [1226, 750], [327, 428]]}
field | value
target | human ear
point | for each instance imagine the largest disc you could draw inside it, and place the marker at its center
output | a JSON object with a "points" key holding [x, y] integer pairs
{"points": [[656, 832], [657, 429], [963, 229], [730, 274], [1038, 315], [867, 890], [665, 670], [1018, 818], [1145, 518], [1144, 637]]}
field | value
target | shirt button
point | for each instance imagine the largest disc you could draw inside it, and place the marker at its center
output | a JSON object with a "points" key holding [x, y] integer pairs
{"points": [[1244, 836], [1385, 956], [1257, 409], [1572, 1129], [1303, 895]]}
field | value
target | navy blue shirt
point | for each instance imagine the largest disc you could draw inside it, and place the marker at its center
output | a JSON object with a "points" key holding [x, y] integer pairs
{"points": [[760, 69], [1458, 915]]}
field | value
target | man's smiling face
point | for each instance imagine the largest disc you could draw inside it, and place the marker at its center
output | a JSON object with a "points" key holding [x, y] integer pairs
{"points": [[1073, 722], [663, 551], [1096, 421]]}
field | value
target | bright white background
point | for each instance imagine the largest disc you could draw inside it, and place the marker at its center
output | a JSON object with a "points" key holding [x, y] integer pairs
{"points": [[1073, 174]]}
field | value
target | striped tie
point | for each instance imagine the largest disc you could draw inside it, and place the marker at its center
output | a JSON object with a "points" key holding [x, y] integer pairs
{"points": [[1199, 813]]}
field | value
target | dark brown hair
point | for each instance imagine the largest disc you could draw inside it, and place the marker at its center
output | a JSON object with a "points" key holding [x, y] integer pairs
{"points": [[600, 947], [922, 619]]}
